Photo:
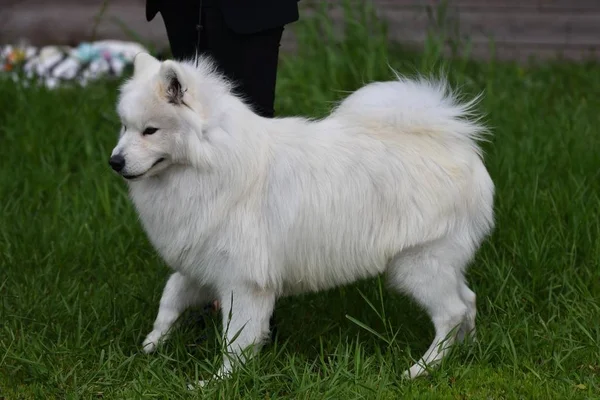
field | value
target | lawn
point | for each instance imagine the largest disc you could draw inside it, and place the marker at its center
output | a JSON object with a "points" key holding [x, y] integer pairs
{"points": [[80, 283]]}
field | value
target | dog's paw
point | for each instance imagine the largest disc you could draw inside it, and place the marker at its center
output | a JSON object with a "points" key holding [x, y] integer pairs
{"points": [[151, 342], [223, 373], [197, 385], [414, 372]]}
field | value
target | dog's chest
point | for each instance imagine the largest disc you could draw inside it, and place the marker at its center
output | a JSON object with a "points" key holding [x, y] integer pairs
{"points": [[175, 221]]}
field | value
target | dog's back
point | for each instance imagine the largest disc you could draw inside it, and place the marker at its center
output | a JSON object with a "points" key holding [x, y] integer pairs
{"points": [[395, 166]]}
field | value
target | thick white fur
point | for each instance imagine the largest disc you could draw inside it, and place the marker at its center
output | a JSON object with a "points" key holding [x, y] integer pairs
{"points": [[248, 209]]}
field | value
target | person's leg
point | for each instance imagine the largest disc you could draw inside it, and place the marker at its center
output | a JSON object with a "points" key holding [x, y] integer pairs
{"points": [[181, 19], [259, 70], [250, 61]]}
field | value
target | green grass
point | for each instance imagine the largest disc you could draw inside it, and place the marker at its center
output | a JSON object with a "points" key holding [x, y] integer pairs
{"points": [[80, 284]]}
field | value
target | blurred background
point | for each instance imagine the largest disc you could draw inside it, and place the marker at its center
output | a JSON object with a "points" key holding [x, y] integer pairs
{"points": [[508, 29]]}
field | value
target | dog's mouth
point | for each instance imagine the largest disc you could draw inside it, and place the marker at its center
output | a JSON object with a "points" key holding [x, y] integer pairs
{"points": [[131, 177]]}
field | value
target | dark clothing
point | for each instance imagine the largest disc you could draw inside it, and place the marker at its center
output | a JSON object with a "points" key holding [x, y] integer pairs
{"points": [[242, 36], [241, 16]]}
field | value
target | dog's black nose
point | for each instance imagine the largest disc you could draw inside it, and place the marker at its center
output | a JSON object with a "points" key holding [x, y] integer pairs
{"points": [[117, 162]]}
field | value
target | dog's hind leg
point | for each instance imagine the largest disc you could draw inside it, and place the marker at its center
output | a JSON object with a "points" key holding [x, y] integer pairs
{"points": [[179, 293], [467, 328], [433, 276]]}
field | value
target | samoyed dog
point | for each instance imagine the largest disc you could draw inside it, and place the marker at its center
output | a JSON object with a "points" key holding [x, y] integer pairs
{"points": [[247, 209]]}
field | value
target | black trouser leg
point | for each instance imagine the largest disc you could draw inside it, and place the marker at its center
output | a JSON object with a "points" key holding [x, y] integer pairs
{"points": [[250, 61], [181, 18]]}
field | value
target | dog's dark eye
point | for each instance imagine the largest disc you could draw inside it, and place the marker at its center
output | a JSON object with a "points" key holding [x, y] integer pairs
{"points": [[149, 131]]}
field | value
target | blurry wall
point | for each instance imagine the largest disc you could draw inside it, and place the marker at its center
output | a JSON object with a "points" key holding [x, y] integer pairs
{"points": [[520, 28]]}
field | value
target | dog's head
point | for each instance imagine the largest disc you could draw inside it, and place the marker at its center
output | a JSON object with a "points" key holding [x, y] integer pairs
{"points": [[161, 118]]}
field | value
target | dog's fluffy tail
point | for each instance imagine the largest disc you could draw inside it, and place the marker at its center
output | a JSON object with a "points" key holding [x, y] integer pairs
{"points": [[416, 107]]}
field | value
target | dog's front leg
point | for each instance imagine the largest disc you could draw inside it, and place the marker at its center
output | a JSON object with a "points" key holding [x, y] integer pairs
{"points": [[246, 313], [180, 293]]}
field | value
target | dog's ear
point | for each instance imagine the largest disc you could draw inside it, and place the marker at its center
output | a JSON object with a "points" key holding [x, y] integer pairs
{"points": [[172, 78], [142, 61]]}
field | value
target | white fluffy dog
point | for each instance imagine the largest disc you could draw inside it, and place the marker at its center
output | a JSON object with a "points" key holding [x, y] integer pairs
{"points": [[246, 209]]}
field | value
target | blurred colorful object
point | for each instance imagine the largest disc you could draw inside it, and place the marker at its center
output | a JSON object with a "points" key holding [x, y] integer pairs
{"points": [[53, 66]]}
